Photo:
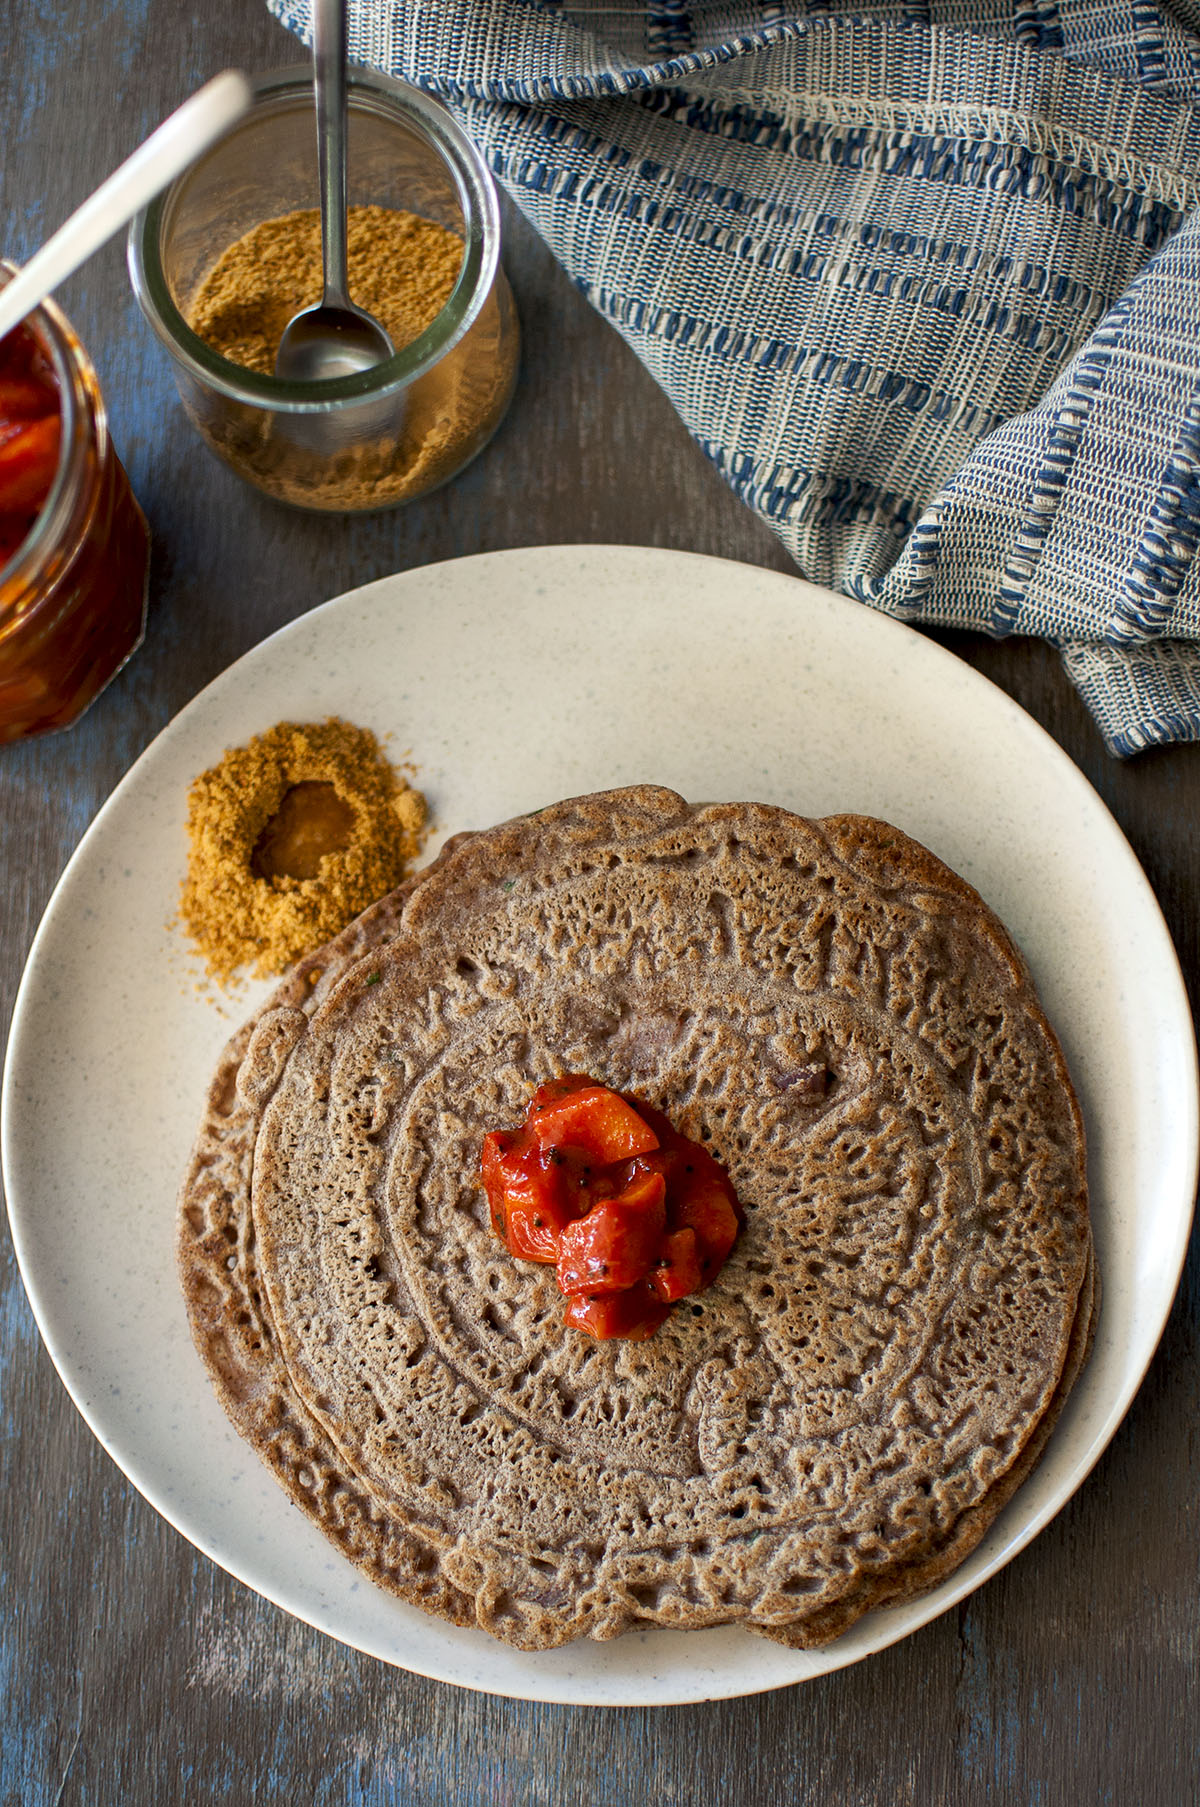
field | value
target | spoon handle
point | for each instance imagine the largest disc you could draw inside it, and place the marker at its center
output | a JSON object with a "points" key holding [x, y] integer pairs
{"points": [[329, 79], [165, 154]]}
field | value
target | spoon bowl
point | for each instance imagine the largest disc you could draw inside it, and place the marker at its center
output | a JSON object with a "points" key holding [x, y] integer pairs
{"points": [[330, 340], [334, 338]]}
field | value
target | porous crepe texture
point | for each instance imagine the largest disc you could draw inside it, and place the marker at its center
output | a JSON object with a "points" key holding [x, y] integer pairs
{"points": [[835, 1423]]}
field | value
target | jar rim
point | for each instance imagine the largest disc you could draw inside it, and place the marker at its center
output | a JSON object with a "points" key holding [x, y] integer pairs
{"points": [[81, 406], [429, 120]]}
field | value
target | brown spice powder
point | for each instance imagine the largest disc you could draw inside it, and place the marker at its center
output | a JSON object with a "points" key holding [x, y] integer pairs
{"points": [[400, 267], [257, 823], [403, 269]]}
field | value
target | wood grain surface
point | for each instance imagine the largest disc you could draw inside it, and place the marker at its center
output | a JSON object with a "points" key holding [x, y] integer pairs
{"points": [[134, 1671]]}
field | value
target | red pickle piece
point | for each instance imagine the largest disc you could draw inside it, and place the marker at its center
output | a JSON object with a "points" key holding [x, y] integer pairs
{"points": [[618, 1241], [595, 1120], [676, 1273], [634, 1315]]}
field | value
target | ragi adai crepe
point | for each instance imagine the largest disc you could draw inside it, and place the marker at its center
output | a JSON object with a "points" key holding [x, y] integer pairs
{"points": [[835, 1423]]}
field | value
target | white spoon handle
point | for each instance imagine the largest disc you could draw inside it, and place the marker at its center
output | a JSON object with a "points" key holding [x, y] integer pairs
{"points": [[165, 155]]}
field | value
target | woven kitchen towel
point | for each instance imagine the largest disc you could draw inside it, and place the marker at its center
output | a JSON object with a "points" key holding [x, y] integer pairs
{"points": [[923, 281]]}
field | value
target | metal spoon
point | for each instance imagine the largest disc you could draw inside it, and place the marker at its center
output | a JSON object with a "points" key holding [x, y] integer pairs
{"points": [[165, 154], [334, 338]]}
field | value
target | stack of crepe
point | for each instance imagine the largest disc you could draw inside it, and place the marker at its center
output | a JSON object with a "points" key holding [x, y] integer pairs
{"points": [[835, 1423]]}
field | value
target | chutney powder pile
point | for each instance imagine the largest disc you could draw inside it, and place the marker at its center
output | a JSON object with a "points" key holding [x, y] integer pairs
{"points": [[289, 838]]}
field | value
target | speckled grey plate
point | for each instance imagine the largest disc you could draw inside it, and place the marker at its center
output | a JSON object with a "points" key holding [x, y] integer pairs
{"points": [[513, 679]]}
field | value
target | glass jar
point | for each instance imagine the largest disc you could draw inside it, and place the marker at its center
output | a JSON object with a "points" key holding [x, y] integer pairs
{"points": [[73, 593], [384, 435]]}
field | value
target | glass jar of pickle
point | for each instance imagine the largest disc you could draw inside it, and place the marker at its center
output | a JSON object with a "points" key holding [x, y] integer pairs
{"points": [[74, 546]]}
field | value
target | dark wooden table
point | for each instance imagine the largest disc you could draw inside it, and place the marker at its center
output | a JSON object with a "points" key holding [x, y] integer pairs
{"points": [[134, 1671]]}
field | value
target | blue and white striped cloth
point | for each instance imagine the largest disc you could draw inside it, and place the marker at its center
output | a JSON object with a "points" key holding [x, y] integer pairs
{"points": [[923, 280]]}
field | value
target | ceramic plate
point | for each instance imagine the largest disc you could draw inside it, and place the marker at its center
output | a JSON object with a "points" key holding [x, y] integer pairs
{"points": [[510, 680]]}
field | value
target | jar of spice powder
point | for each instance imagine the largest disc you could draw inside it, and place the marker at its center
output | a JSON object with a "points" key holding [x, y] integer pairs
{"points": [[231, 251]]}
